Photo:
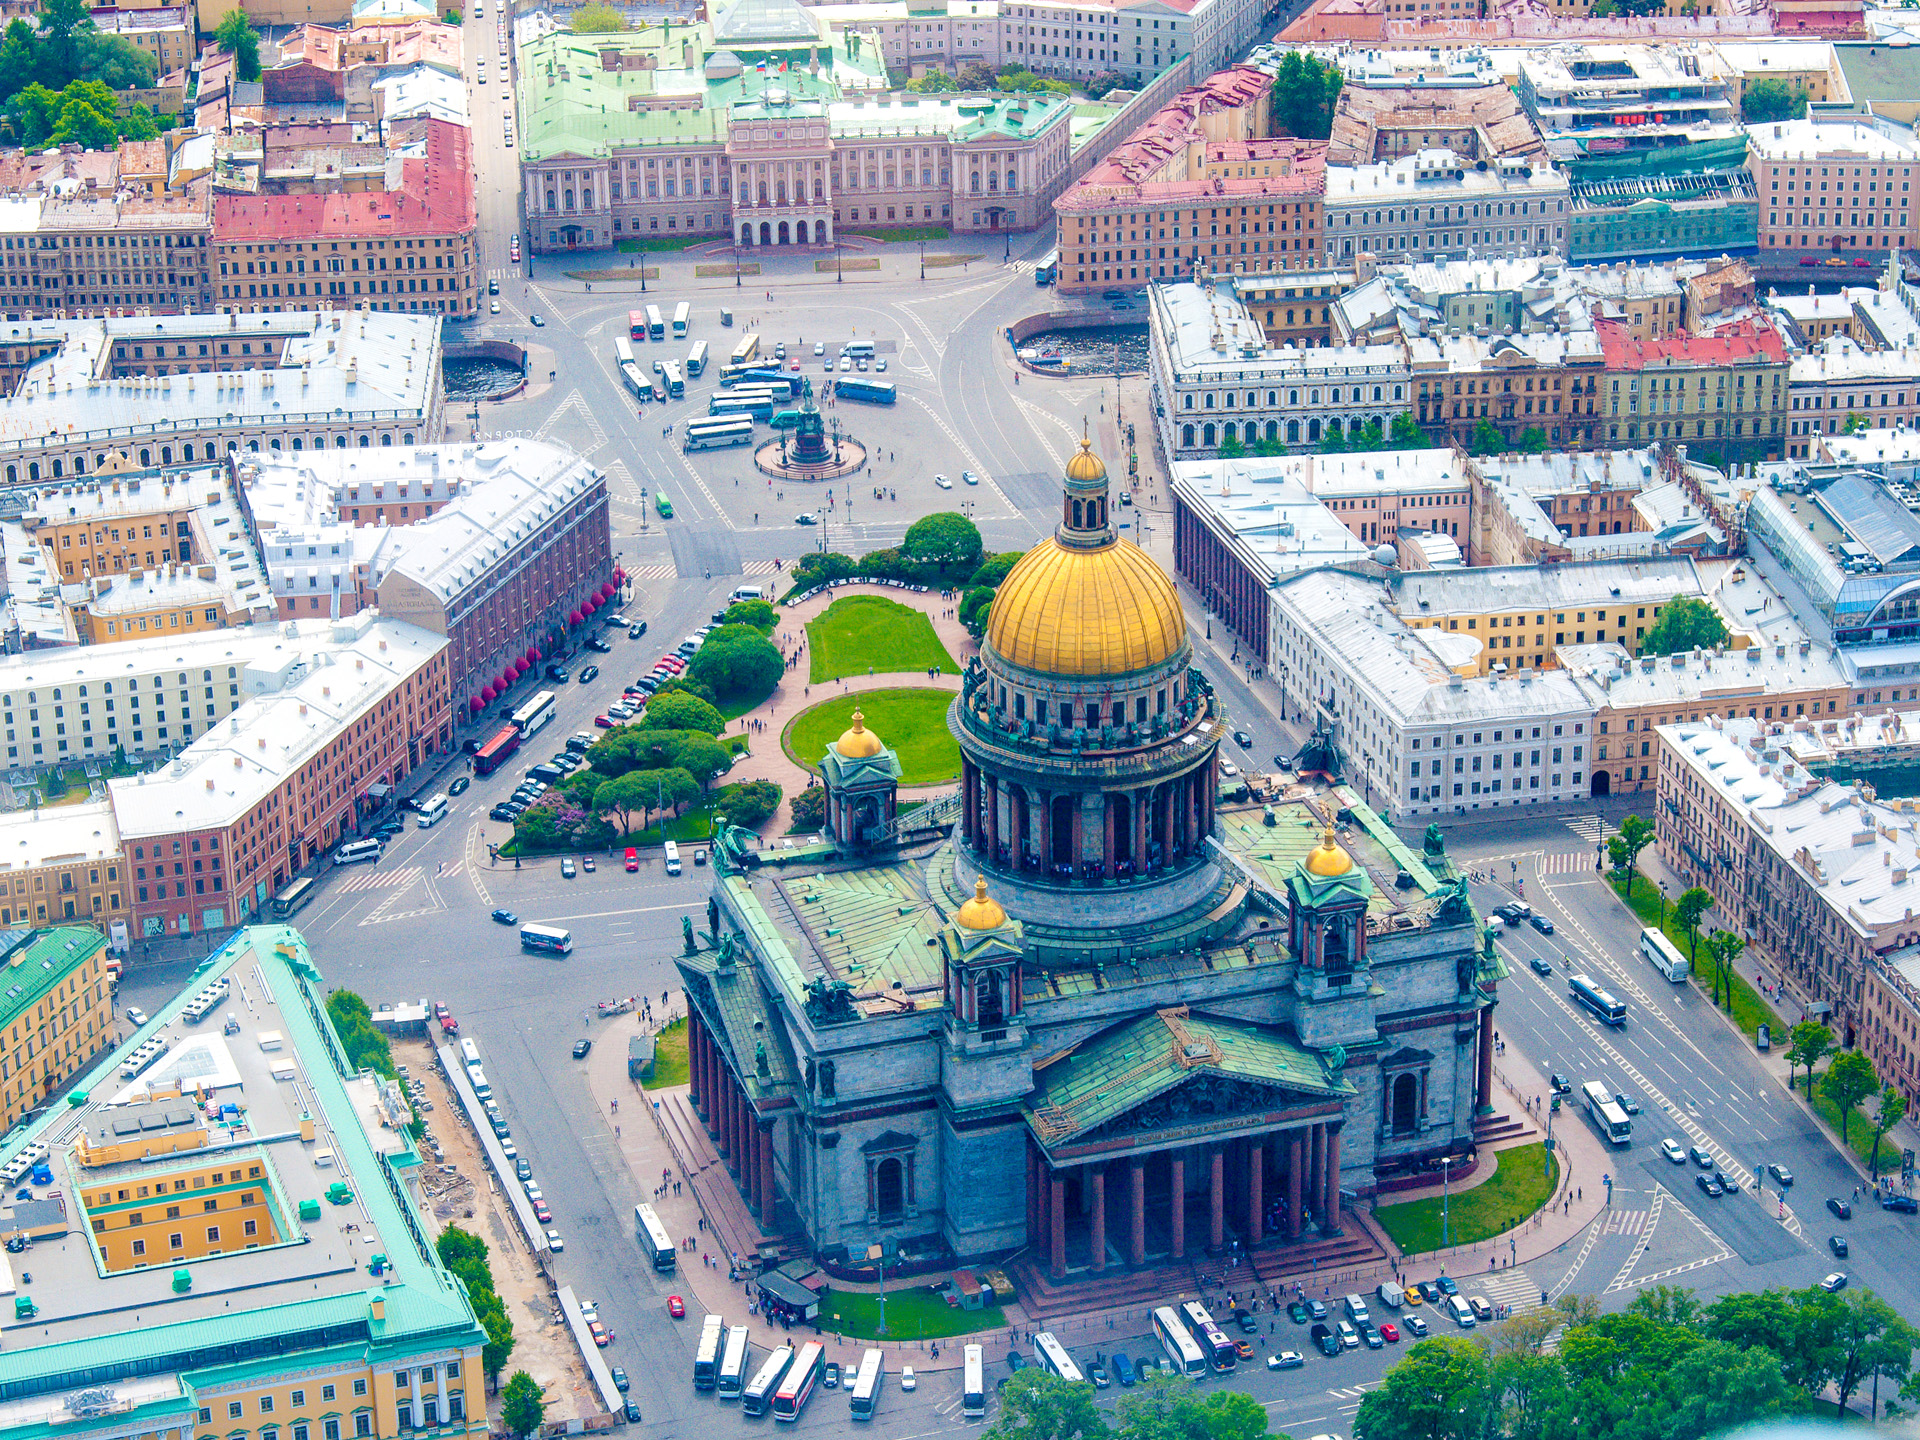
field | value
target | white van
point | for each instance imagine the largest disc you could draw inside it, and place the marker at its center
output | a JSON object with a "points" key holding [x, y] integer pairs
{"points": [[1391, 1295], [1356, 1309], [858, 349], [1461, 1312], [673, 858], [484, 1092], [354, 851], [748, 592]]}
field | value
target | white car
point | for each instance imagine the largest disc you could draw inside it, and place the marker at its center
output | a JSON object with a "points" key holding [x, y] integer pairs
{"points": [[136, 1017], [943, 482], [819, 347], [846, 363], [554, 1242], [907, 1382], [969, 477], [1671, 1149], [1227, 767], [589, 1310]]}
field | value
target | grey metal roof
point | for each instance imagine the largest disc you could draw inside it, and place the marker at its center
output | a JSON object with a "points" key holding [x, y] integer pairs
{"points": [[1887, 529]]}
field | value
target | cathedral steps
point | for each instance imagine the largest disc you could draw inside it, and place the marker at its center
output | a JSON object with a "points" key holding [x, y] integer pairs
{"points": [[1502, 1129], [687, 1134]]}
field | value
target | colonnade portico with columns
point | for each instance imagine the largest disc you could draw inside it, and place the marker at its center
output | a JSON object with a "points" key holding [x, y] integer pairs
{"points": [[741, 1134]]}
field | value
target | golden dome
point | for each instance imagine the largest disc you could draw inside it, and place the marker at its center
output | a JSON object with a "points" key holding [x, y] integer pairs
{"points": [[1104, 611], [858, 742], [980, 913], [1086, 466], [1327, 859]]}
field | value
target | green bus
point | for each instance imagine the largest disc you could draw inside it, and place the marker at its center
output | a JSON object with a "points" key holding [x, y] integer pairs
{"points": [[663, 504]]}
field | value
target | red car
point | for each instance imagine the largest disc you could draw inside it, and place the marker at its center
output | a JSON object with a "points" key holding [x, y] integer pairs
{"points": [[676, 1307], [1808, 260], [603, 721], [599, 1333], [1390, 1333], [633, 860], [1862, 263], [542, 1213]]}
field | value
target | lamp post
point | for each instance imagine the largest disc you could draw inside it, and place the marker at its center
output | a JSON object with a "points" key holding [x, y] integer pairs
{"points": [[839, 277], [736, 263], [1663, 907], [1446, 1198], [923, 259]]}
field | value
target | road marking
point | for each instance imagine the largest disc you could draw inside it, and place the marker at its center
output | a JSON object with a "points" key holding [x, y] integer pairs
{"points": [[573, 401], [973, 461]]}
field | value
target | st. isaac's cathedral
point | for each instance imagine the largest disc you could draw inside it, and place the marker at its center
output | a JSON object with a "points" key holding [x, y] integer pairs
{"points": [[1091, 1019]]}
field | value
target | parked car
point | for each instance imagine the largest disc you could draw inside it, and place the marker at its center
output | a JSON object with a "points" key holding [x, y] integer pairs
{"points": [[135, 1017], [1324, 1339], [1894, 1200], [1316, 1309], [1840, 1208], [523, 1169], [1297, 1312], [1244, 1318], [1389, 1332], [1482, 1310], [568, 869], [599, 1334], [620, 1381], [1349, 1337], [586, 862], [1122, 1369], [831, 1379], [1097, 1373], [599, 646], [1286, 1360], [1416, 1327], [541, 1212], [1559, 1084], [1447, 1287]]}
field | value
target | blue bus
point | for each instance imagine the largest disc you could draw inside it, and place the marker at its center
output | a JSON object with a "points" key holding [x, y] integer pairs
{"points": [[1048, 270], [880, 392], [759, 376], [759, 409], [1587, 992]]}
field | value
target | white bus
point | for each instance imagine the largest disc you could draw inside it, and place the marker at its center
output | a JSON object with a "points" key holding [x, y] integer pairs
{"points": [[535, 713], [866, 1385], [623, 350], [733, 1363], [636, 383], [1050, 1355], [1666, 958], [1178, 1344], [706, 1355], [759, 1392], [670, 372], [697, 360], [432, 811], [546, 939], [797, 1386], [973, 1387], [653, 1238], [1607, 1113], [681, 313], [716, 433], [748, 349], [1211, 1339], [656, 327], [1586, 991]]}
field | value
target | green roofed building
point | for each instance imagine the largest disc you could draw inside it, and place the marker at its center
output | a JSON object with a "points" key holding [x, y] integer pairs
{"points": [[765, 127], [226, 1237], [1097, 1011]]}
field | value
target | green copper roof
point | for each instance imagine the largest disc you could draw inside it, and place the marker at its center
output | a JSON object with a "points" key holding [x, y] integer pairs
{"points": [[877, 929], [1141, 1060], [36, 961]]}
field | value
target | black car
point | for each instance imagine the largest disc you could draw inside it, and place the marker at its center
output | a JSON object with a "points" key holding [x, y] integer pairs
{"points": [[1324, 1340], [599, 646], [493, 287], [1559, 1084], [1841, 1209], [1709, 1186], [387, 829], [1539, 966], [503, 811], [580, 1049], [1245, 1320], [1838, 1245], [634, 632], [1243, 739], [619, 1379], [1905, 1204], [633, 1413], [589, 673], [459, 785], [1541, 923], [1728, 1185], [505, 917], [830, 1380], [556, 672], [1627, 1102]]}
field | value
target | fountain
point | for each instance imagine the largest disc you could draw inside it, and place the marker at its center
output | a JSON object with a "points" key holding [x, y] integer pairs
{"points": [[810, 453]]}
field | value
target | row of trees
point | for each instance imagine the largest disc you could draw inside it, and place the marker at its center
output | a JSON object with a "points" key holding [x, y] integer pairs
{"points": [[1037, 1405], [465, 1256], [941, 549], [1008, 80], [1403, 434]]}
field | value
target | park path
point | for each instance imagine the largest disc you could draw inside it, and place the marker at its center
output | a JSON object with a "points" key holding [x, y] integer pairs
{"points": [[767, 759]]}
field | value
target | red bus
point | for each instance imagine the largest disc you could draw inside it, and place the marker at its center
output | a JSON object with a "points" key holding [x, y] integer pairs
{"points": [[636, 324], [791, 1398], [492, 755]]}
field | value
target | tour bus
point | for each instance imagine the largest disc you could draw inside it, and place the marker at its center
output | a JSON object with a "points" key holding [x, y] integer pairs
{"points": [[636, 383], [733, 1363], [1212, 1340], [973, 1388], [731, 375], [653, 1238], [290, 901], [865, 1393], [681, 314], [546, 939], [530, 717], [656, 327], [706, 1355], [1050, 1355], [1607, 1113], [636, 324], [759, 1392], [797, 1388], [496, 750], [1586, 991], [877, 392], [748, 349], [779, 380], [716, 434], [431, 812], [1048, 270], [623, 350], [1666, 958], [757, 406], [469, 1052], [676, 387], [697, 360], [1178, 1344]]}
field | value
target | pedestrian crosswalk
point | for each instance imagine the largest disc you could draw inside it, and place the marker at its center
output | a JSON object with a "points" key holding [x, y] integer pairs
{"points": [[1566, 862], [1623, 1222], [1591, 828], [1513, 1288], [653, 572], [377, 879]]}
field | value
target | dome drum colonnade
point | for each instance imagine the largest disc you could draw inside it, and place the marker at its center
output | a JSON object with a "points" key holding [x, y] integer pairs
{"points": [[1087, 739]]}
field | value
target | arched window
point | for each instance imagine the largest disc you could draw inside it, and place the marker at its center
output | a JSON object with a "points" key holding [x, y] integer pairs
{"points": [[1186, 443], [1207, 436]]}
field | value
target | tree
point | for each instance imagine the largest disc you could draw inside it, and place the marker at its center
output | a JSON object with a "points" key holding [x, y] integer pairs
{"points": [[237, 38], [702, 757], [81, 124], [453, 1244], [19, 57], [521, 1408], [1367, 438], [1685, 624], [1305, 93], [636, 791], [494, 1319], [757, 613], [1405, 433], [1724, 947], [1715, 1389], [1486, 438], [597, 19], [1687, 912], [809, 808], [738, 662], [1624, 849], [62, 23], [995, 568], [1861, 1335], [114, 61], [1770, 99], [1533, 441], [748, 804], [138, 124], [679, 711], [1670, 1305], [1848, 1081], [934, 82], [1441, 1391], [1232, 449], [1892, 1109], [1038, 1405], [946, 543], [817, 567], [975, 606], [1809, 1043], [977, 76], [1856, 424]]}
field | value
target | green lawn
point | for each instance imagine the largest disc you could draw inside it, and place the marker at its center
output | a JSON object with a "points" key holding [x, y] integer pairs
{"points": [[912, 1314], [1520, 1185], [911, 723], [872, 635], [662, 242], [905, 235], [669, 1057], [1859, 1127], [1749, 1011]]}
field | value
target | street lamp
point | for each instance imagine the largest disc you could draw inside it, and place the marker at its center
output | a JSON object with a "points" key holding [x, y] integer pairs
{"points": [[923, 259], [736, 264], [1663, 906], [839, 277], [1446, 1198]]}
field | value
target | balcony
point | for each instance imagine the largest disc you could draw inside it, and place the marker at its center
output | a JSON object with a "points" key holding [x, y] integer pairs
{"points": [[1113, 751]]}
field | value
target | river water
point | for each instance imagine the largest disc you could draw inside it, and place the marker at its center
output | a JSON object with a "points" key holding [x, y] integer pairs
{"points": [[1093, 352], [477, 379]]}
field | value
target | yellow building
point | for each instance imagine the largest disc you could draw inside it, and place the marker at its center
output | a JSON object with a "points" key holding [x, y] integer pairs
{"points": [[56, 1013], [167, 601], [61, 862], [118, 525]]}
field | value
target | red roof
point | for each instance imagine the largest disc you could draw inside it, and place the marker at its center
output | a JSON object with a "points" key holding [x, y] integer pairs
{"points": [[1735, 344], [435, 198]]}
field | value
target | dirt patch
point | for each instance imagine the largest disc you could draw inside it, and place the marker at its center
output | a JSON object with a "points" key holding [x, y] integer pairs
{"points": [[943, 262], [830, 267], [710, 272], [457, 1188]]}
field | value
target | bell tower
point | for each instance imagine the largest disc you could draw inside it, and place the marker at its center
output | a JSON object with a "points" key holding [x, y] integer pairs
{"points": [[1327, 912], [983, 951]]}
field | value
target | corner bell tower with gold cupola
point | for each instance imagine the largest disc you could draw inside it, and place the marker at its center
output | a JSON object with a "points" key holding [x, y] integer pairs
{"points": [[1088, 739]]}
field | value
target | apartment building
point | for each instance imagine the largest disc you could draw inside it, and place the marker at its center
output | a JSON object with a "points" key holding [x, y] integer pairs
{"points": [[1838, 383], [164, 33], [1834, 187], [1433, 203], [170, 598], [916, 38], [56, 1013], [411, 248], [1532, 509], [1726, 392], [1295, 307], [64, 863], [1545, 381], [116, 524]]}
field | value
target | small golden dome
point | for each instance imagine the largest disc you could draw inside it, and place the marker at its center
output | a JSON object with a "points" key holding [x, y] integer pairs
{"points": [[1086, 466], [858, 742], [980, 913], [1105, 611], [1327, 859]]}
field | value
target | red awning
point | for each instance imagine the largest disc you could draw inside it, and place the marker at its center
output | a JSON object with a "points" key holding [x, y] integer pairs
{"points": [[532, 657], [574, 617], [487, 693], [619, 575], [607, 592], [475, 704], [590, 604]]}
